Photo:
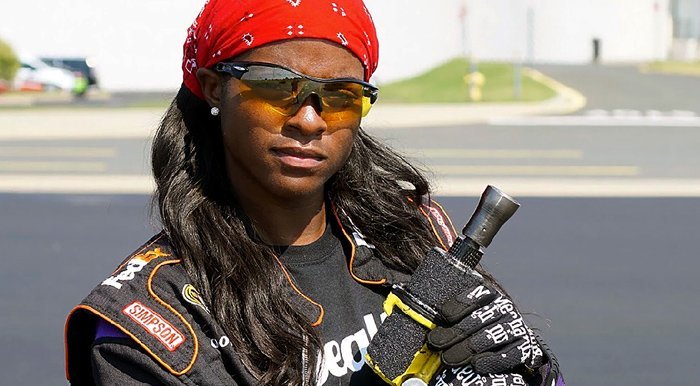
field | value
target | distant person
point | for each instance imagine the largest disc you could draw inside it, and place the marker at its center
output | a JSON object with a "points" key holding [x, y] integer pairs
{"points": [[284, 223]]}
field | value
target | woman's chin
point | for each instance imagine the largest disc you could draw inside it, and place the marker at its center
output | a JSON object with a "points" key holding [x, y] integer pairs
{"points": [[295, 187]]}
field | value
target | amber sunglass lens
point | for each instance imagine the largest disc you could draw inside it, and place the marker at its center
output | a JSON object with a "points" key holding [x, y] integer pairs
{"points": [[340, 117], [283, 91], [341, 101], [276, 86]]}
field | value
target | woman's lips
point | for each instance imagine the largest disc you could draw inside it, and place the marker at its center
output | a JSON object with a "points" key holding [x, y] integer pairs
{"points": [[299, 157]]}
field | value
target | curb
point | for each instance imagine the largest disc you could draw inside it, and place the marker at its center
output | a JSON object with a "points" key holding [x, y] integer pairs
{"points": [[572, 100], [30, 99], [93, 123], [393, 116]]}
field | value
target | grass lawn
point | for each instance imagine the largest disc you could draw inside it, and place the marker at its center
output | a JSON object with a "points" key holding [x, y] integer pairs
{"points": [[680, 68], [445, 84]]}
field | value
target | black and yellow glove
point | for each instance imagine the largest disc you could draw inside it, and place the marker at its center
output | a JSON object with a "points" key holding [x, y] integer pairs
{"points": [[483, 328]]}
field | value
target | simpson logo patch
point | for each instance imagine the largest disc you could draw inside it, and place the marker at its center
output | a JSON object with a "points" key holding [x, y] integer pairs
{"points": [[155, 325], [134, 265]]}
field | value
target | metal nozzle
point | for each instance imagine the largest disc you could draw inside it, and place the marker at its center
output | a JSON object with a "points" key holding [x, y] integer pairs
{"points": [[494, 209]]}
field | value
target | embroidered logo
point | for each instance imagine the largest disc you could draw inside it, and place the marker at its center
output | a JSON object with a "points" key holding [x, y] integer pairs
{"points": [[442, 223], [221, 343], [192, 296], [134, 265], [155, 325]]}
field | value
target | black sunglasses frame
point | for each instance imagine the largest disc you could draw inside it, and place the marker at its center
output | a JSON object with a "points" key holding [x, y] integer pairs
{"points": [[238, 69]]}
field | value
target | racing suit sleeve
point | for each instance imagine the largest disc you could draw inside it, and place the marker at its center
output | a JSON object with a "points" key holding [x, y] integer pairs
{"points": [[119, 361]]}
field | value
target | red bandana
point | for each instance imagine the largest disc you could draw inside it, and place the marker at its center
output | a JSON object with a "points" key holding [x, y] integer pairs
{"points": [[227, 28]]}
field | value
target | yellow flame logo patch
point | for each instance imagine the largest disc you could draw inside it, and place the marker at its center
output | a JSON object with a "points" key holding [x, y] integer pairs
{"points": [[192, 296], [150, 255]]}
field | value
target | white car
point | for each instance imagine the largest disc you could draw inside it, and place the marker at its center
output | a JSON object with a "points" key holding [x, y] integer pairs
{"points": [[35, 71]]}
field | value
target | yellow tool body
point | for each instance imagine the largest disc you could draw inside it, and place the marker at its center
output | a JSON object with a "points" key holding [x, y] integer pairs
{"points": [[425, 363]]}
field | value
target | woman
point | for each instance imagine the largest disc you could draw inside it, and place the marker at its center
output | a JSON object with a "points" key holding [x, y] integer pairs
{"points": [[285, 224]]}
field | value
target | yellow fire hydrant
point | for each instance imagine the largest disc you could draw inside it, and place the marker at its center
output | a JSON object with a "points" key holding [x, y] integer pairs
{"points": [[475, 83]]}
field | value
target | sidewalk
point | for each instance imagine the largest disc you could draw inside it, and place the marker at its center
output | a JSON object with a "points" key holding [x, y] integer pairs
{"points": [[29, 99], [83, 123], [67, 123]]}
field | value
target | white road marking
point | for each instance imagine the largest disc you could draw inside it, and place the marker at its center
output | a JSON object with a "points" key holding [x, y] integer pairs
{"points": [[472, 187], [66, 152], [496, 153], [571, 187], [77, 184], [593, 121], [638, 113], [40, 166], [536, 170]]}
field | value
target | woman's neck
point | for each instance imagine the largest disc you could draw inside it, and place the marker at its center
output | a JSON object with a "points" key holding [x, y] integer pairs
{"points": [[289, 222]]}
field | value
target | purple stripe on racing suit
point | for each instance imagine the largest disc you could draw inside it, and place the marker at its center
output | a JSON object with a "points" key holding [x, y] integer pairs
{"points": [[545, 372], [107, 330]]}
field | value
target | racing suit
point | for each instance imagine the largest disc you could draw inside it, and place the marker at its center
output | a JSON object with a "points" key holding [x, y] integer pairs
{"points": [[164, 330]]}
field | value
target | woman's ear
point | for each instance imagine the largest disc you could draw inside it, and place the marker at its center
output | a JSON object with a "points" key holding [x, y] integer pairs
{"points": [[210, 82]]}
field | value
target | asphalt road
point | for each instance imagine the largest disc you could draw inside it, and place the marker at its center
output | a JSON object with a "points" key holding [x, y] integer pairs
{"points": [[549, 151], [616, 279], [476, 150], [624, 87]]}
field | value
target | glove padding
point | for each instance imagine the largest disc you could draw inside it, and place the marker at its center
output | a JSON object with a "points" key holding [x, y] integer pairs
{"points": [[485, 330]]}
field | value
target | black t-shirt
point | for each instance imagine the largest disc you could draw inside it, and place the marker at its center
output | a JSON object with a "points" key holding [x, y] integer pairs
{"points": [[353, 312]]}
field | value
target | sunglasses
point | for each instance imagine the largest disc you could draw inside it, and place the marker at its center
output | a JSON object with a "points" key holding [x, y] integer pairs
{"points": [[285, 90]]}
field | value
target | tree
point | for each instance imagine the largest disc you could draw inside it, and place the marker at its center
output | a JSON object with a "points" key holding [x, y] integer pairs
{"points": [[9, 63]]}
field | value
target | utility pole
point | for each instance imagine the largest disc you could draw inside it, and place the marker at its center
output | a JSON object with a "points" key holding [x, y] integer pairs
{"points": [[462, 15], [657, 54], [529, 50], [530, 33], [473, 79], [467, 48]]}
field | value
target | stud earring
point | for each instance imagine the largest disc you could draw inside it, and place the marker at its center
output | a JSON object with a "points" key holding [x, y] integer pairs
{"points": [[214, 111]]}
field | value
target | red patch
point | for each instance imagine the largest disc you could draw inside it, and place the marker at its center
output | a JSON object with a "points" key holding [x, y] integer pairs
{"points": [[442, 223], [155, 325]]}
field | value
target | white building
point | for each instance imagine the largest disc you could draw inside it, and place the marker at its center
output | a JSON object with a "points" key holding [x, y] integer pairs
{"points": [[552, 31], [137, 43], [571, 31], [686, 29]]}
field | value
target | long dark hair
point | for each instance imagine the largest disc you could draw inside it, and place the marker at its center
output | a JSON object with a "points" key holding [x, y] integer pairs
{"points": [[239, 277]]}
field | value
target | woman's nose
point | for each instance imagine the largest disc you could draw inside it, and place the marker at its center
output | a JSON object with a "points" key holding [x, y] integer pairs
{"points": [[307, 120]]}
